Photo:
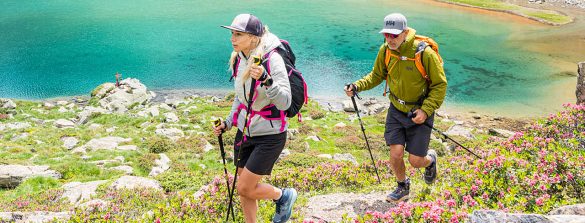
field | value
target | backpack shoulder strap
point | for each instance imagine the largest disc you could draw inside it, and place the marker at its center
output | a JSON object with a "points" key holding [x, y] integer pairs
{"points": [[420, 49], [266, 60]]}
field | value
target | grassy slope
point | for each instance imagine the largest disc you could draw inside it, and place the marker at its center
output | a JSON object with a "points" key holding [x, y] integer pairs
{"points": [[524, 158], [551, 17]]}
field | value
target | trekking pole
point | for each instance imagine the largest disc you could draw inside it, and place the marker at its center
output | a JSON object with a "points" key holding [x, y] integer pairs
{"points": [[217, 123], [357, 111], [257, 61], [412, 115]]}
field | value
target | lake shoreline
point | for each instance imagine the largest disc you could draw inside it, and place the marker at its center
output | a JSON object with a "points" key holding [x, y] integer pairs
{"points": [[498, 118], [555, 8]]}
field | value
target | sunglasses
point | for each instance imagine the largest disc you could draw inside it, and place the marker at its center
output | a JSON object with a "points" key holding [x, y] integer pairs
{"points": [[391, 36]]}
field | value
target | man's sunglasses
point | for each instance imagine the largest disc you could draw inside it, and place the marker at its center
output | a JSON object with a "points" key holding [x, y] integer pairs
{"points": [[392, 36]]}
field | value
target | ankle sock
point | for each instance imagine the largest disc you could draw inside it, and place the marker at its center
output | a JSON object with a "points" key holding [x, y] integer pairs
{"points": [[281, 193]]}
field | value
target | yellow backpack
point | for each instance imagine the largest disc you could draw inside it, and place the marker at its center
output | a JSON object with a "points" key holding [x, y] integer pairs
{"points": [[423, 43]]}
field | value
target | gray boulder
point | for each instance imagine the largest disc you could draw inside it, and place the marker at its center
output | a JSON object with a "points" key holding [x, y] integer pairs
{"points": [[14, 126], [484, 216], [345, 157], [34, 216], [459, 131], [501, 133], [131, 182], [107, 143], [331, 207], [128, 170], [89, 112], [576, 209], [376, 108], [12, 175], [162, 164], [64, 123], [171, 133], [7, 104], [348, 106], [129, 93], [94, 205], [171, 117], [76, 192], [69, 142]]}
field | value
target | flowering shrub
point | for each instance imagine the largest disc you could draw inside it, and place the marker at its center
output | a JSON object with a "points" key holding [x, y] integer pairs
{"points": [[533, 171]]}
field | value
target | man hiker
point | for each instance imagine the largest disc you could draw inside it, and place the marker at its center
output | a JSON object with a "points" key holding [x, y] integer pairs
{"points": [[416, 81]]}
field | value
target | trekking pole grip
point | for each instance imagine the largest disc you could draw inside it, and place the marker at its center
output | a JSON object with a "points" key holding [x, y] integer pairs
{"points": [[217, 123], [354, 90]]}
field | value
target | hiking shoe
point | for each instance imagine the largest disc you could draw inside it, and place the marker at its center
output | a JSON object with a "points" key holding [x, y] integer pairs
{"points": [[400, 193], [431, 171], [284, 205]]}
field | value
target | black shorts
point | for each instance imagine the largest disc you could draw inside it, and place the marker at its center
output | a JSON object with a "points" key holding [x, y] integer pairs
{"points": [[259, 153], [403, 131]]}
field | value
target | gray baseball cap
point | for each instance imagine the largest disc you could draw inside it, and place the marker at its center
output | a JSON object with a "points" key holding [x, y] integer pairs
{"points": [[394, 23], [247, 23]]}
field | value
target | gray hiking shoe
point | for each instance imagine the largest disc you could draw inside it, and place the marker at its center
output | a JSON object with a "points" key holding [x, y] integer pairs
{"points": [[400, 193], [431, 171], [284, 205]]}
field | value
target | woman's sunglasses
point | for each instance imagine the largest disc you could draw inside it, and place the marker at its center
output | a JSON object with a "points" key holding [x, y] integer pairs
{"points": [[391, 36]]}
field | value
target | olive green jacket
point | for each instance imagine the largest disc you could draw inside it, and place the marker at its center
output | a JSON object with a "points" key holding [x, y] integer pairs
{"points": [[405, 81]]}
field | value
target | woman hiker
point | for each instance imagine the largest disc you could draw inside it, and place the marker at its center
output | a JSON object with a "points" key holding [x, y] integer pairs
{"points": [[261, 133]]}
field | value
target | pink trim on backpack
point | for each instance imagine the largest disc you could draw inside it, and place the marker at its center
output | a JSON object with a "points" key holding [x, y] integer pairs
{"points": [[264, 113]]}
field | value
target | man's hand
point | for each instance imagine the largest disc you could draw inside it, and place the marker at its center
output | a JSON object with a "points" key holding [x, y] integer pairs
{"points": [[420, 116], [350, 90], [217, 130]]}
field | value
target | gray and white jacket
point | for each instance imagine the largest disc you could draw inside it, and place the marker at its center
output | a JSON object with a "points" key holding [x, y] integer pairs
{"points": [[278, 93]]}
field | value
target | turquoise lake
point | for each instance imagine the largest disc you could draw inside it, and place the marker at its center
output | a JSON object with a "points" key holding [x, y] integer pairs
{"points": [[60, 48]]}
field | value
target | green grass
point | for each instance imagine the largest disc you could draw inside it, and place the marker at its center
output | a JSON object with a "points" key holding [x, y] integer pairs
{"points": [[490, 4], [187, 176], [548, 16], [545, 15]]}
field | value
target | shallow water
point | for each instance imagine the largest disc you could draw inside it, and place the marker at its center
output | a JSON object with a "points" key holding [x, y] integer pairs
{"points": [[61, 48]]}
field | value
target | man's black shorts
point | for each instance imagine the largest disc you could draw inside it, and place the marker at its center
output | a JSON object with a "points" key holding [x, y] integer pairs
{"points": [[401, 130], [259, 153]]}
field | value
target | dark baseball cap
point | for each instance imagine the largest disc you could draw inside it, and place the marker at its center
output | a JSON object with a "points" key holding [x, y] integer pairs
{"points": [[247, 23]]}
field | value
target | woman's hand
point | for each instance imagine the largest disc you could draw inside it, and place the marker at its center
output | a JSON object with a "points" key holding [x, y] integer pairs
{"points": [[217, 130], [256, 72]]}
